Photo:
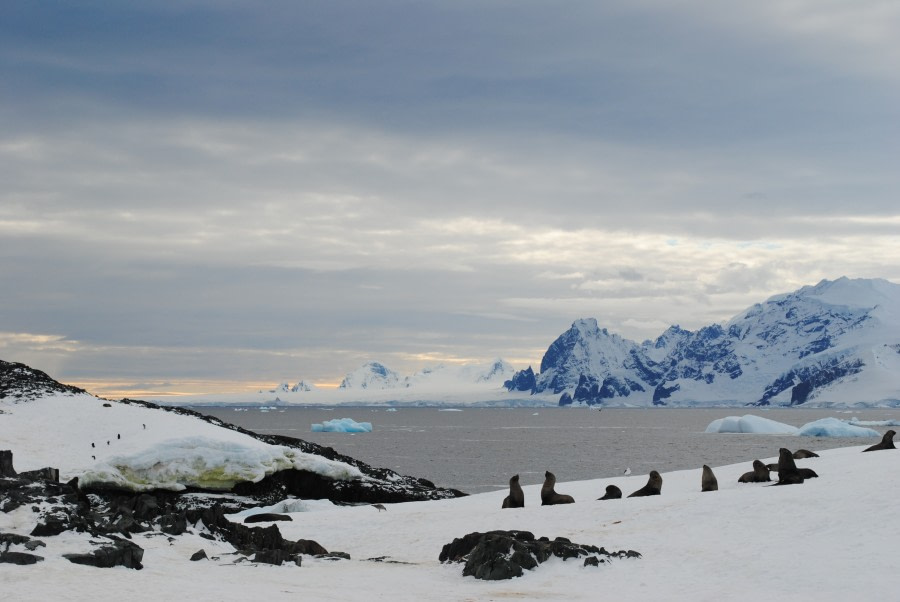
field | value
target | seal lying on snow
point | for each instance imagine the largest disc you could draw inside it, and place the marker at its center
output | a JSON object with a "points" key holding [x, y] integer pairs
{"points": [[653, 486], [802, 454], [549, 497], [708, 481], [760, 474], [887, 442], [612, 493], [516, 498]]}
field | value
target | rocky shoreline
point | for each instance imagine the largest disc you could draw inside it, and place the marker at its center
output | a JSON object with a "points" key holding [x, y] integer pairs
{"points": [[112, 518]]}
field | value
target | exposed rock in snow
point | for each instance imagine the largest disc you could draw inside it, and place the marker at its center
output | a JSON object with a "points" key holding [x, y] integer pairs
{"points": [[19, 382]]}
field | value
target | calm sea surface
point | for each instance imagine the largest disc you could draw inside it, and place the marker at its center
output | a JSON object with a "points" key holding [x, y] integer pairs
{"points": [[478, 449]]}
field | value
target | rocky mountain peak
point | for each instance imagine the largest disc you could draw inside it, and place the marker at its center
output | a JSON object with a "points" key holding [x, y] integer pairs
{"points": [[790, 349], [19, 382]]}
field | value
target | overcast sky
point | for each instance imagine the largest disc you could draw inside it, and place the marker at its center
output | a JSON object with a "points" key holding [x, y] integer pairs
{"points": [[203, 195]]}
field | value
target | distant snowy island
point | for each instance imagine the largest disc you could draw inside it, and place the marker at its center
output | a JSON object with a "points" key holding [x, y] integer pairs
{"points": [[835, 344]]}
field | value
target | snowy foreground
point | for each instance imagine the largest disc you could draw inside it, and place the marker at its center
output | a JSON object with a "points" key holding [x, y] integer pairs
{"points": [[831, 538]]}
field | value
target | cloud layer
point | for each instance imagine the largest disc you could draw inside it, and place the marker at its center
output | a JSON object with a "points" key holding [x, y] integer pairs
{"points": [[219, 192]]}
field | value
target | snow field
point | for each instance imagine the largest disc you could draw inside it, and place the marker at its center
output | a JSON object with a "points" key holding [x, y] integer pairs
{"points": [[831, 538]]}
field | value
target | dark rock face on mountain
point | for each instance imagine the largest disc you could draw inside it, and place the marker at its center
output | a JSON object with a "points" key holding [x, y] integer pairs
{"points": [[787, 351], [22, 383], [499, 555], [808, 378], [523, 380]]}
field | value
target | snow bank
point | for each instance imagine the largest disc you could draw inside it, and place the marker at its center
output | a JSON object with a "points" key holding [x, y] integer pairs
{"points": [[832, 427], [750, 424], [342, 425], [176, 464]]}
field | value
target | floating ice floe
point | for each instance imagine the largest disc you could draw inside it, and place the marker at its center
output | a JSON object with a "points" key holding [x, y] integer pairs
{"points": [[832, 427], [826, 427], [342, 425], [857, 422], [750, 424]]}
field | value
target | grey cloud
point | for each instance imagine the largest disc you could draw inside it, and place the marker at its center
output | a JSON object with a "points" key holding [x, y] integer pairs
{"points": [[211, 188]]}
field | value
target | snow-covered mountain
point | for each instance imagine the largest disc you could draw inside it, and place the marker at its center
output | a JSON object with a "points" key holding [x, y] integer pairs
{"points": [[371, 375], [835, 342], [303, 386], [375, 376]]}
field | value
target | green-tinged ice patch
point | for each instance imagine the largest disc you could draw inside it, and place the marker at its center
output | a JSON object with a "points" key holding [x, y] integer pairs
{"points": [[176, 464]]}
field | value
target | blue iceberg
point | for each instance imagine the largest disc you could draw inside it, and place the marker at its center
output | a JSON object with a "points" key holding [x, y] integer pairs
{"points": [[832, 427], [342, 425]]}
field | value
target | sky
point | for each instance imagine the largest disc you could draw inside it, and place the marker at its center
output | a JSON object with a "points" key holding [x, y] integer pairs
{"points": [[209, 196]]}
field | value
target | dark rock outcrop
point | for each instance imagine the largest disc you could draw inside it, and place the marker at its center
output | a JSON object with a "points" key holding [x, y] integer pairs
{"points": [[20, 558], [506, 554], [121, 553], [23, 383], [523, 380]]}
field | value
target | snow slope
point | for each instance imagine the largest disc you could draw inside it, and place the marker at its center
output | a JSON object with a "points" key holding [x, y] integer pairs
{"points": [[829, 539], [101, 441]]}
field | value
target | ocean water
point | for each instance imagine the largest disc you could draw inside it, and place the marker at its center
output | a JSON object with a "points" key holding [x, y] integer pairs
{"points": [[478, 449]]}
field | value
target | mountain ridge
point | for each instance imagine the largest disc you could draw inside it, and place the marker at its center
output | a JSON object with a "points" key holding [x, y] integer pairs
{"points": [[811, 344]]}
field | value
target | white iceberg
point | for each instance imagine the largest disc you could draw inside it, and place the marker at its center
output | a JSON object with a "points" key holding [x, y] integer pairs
{"points": [[832, 427], [342, 425], [750, 424]]}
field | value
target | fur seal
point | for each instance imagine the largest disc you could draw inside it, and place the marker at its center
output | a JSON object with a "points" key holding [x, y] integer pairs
{"points": [[266, 517], [887, 442], [708, 481], [653, 486], [612, 493], [759, 474], [549, 497], [807, 473], [787, 469], [516, 497], [802, 454]]}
